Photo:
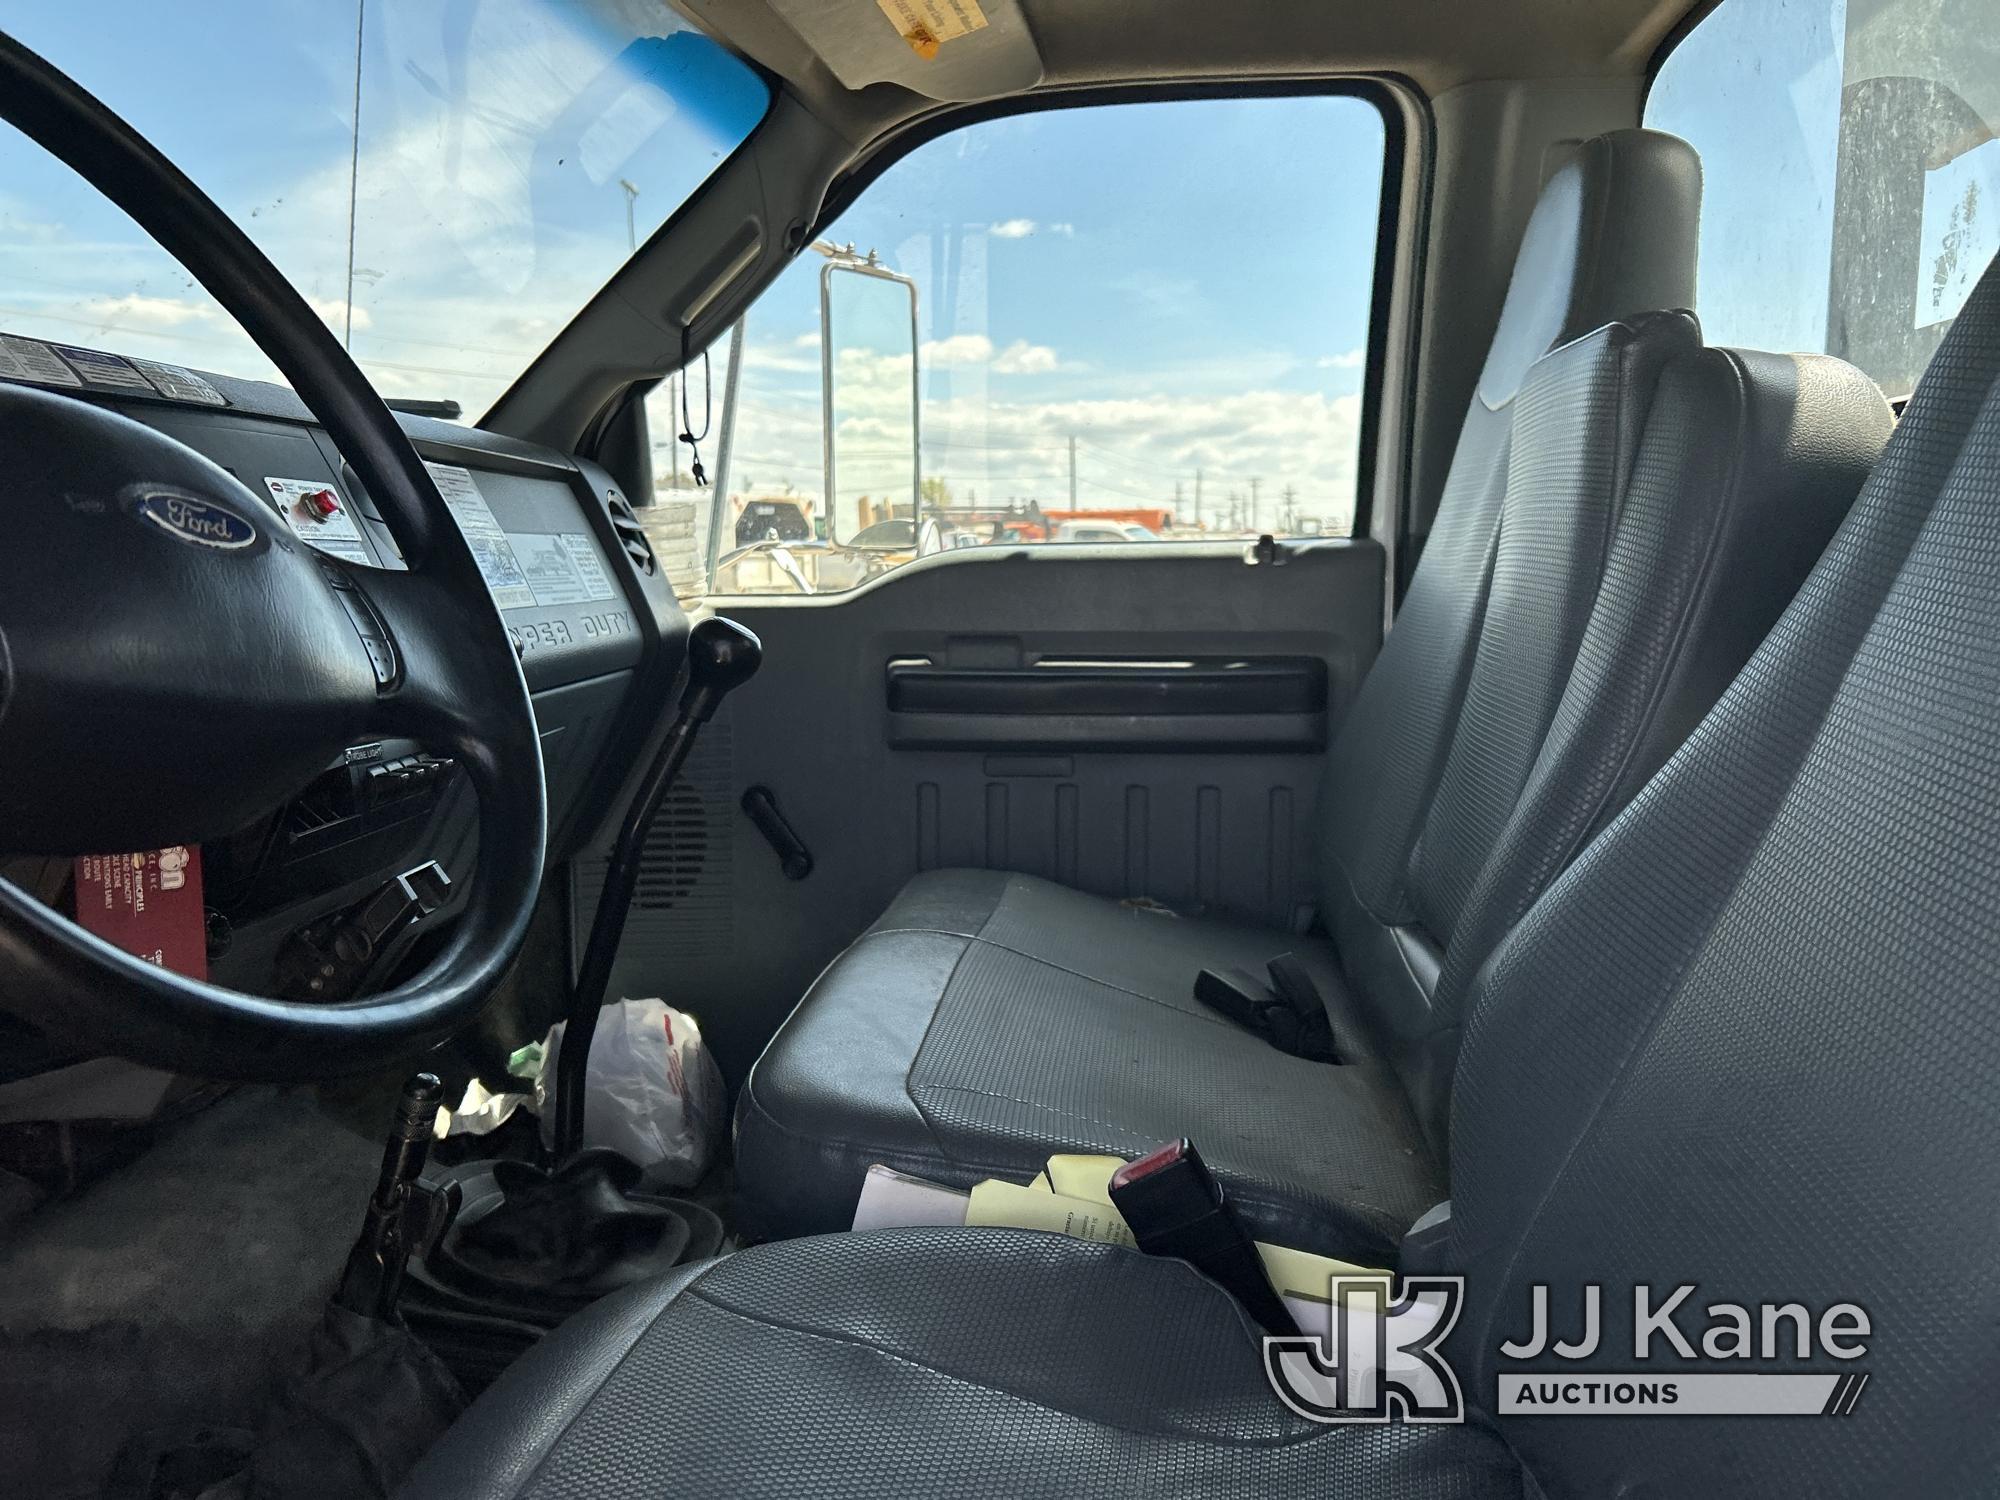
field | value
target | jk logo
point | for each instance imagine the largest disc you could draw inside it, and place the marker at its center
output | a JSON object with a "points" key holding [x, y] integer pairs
{"points": [[1384, 1355]]}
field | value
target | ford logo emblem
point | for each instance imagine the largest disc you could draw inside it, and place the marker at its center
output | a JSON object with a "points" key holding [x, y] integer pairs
{"points": [[200, 523]]}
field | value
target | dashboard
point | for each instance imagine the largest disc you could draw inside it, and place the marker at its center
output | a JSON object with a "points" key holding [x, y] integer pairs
{"points": [[322, 898]]}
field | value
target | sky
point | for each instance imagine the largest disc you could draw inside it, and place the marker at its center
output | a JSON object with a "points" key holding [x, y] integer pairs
{"points": [[483, 188], [1768, 71], [1181, 287]]}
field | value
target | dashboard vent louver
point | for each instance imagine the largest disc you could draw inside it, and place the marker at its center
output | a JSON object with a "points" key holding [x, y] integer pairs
{"points": [[685, 906], [631, 532], [676, 850]]}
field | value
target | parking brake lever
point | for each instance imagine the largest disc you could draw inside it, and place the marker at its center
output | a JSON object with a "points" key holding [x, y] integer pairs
{"points": [[721, 656]]}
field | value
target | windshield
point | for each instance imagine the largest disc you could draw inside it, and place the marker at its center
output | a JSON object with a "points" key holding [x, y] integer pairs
{"points": [[446, 181]]}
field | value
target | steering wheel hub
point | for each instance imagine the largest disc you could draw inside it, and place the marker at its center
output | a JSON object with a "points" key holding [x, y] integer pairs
{"points": [[152, 622]]}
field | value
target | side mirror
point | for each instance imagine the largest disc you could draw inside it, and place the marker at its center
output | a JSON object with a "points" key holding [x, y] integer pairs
{"points": [[868, 368]]}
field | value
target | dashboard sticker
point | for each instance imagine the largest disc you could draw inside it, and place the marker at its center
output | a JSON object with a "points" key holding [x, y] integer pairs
{"points": [[26, 359], [490, 548], [552, 570], [318, 516], [178, 383], [596, 582], [104, 369]]}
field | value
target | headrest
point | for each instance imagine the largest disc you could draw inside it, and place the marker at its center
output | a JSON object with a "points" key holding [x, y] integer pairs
{"points": [[1612, 235]]}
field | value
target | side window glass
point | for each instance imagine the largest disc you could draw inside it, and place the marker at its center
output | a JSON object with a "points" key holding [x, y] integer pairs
{"points": [[1132, 325], [1851, 178]]}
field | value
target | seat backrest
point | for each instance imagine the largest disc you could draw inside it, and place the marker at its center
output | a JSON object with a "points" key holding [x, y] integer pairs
{"points": [[1659, 505], [1612, 234], [1750, 1039], [1744, 467]]}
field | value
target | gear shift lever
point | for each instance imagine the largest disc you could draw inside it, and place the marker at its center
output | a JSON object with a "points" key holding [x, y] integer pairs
{"points": [[721, 656]]}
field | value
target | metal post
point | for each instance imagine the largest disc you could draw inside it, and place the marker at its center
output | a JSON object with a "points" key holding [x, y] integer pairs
{"points": [[719, 507]]}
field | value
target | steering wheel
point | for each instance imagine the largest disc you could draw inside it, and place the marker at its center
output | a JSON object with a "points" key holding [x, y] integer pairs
{"points": [[175, 664]]}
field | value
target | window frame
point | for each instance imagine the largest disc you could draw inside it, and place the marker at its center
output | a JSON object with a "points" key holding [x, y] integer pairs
{"points": [[1679, 32], [1395, 217]]}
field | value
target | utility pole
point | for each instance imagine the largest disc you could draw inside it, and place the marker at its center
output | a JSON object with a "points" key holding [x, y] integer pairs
{"points": [[1289, 516], [1072, 471], [1255, 519], [1197, 499]]}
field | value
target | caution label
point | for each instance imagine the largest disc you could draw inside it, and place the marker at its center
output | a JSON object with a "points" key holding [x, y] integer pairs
{"points": [[491, 549], [29, 359], [179, 383], [319, 517], [928, 24], [98, 368]]}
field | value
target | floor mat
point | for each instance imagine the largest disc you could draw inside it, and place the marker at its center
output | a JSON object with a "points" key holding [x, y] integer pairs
{"points": [[178, 1291]]}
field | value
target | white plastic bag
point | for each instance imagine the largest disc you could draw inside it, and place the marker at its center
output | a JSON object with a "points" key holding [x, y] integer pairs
{"points": [[654, 1094]]}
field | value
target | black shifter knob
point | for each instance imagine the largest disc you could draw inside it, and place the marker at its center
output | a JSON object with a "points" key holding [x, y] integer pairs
{"points": [[721, 656]]}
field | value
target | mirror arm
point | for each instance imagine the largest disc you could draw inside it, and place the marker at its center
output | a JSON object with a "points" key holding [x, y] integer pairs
{"points": [[826, 501], [917, 429], [718, 512]]}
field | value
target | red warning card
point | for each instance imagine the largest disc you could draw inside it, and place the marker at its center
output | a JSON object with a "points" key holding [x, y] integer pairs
{"points": [[147, 904]]}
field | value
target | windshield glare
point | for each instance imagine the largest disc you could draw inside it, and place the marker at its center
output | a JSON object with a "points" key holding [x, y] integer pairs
{"points": [[446, 181]]}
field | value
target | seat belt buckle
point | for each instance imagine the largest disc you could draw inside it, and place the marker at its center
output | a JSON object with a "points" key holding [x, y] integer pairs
{"points": [[1175, 1207], [1241, 999], [1286, 1014]]}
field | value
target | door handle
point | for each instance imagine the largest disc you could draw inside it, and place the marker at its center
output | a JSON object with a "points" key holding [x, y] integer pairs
{"points": [[760, 806]]}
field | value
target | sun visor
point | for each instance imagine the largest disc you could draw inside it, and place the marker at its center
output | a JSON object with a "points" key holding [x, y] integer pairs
{"points": [[952, 50]]}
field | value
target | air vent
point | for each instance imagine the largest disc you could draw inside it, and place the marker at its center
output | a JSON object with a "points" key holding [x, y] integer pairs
{"points": [[631, 534], [676, 851], [684, 908]]}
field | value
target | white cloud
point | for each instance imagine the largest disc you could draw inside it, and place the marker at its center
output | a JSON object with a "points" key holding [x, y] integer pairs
{"points": [[1133, 450], [782, 357], [807, 340], [1066, 230], [959, 349], [1024, 358], [1012, 229], [149, 312], [1353, 359], [333, 310]]}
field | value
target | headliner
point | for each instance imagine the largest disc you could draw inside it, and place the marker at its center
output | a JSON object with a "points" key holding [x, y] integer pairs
{"points": [[1436, 44]]}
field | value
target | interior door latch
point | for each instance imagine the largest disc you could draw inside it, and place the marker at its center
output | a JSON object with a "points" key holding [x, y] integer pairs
{"points": [[1267, 552]]}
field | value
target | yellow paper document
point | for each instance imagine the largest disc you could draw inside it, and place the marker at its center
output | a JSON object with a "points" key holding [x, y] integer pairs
{"points": [[1011, 1205]]}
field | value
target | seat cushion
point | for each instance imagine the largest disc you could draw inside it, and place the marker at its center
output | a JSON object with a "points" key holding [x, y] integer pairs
{"points": [[989, 1019], [1138, 946], [927, 1362]]}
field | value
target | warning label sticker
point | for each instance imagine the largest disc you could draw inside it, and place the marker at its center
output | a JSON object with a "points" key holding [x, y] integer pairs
{"points": [[928, 24], [552, 570], [491, 548], [588, 565], [319, 517], [27, 359], [178, 383], [104, 369]]}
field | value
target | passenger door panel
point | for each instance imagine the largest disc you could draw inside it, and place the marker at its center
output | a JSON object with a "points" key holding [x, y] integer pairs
{"points": [[983, 709]]}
